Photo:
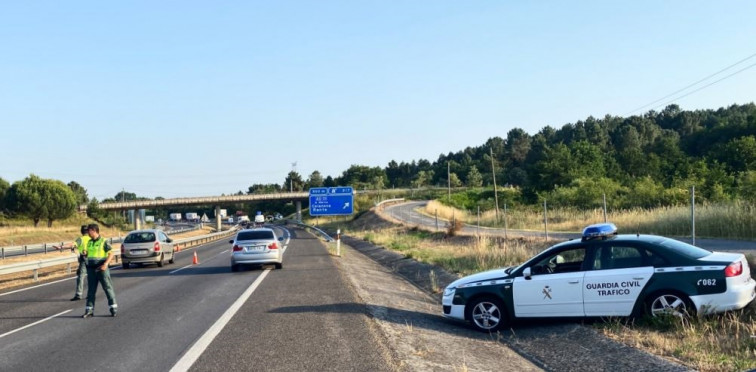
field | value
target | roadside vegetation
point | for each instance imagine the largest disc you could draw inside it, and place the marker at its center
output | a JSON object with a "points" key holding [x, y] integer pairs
{"points": [[733, 220], [725, 342]]}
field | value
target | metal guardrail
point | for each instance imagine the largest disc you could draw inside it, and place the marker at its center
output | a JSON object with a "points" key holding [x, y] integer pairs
{"points": [[69, 260], [325, 235], [386, 202], [25, 250]]}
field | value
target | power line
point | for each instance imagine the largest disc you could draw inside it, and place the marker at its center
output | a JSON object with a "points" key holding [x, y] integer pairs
{"points": [[706, 86], [696, 83]]}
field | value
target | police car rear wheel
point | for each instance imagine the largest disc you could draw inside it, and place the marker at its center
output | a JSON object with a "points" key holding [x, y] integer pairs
{"points": [[669, 304], [487, 314]]}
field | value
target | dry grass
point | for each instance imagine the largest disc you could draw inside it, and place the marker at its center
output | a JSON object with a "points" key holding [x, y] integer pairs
{"points": [[732, 220]]}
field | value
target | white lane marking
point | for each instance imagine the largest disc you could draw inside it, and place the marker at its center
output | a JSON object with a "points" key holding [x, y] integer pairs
{"points": [[33, 324], [36, 286], [187, 266], [177, 270], [204, 341]]}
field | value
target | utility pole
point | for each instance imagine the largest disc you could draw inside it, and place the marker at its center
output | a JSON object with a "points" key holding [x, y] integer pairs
{"points": [[291, 176], [496, 195]]}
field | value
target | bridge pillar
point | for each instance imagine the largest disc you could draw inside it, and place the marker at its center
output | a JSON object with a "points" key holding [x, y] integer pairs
{"points": [[217, 218], [299, 210], [137, 220]]}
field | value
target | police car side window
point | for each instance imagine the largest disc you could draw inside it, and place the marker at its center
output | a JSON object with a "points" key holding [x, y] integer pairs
{"points": [[566, 261], [625, 257]]}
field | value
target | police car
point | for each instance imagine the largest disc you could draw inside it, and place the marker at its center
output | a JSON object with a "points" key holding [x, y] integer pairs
{"points": [[604, 274]]}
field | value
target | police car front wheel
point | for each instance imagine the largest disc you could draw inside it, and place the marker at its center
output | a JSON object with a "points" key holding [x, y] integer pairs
{"points": [[669, 304], [487, 314]]}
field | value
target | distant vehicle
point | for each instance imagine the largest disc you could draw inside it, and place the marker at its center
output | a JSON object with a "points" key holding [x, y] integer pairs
{"points": [[146, 247], [278, 216], [256, 247], [230, 220], [175, 216], [191, 216], [259, 219], [604, 274], [241, 219]]}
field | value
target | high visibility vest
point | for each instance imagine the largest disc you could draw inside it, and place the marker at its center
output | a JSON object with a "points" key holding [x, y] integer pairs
{"points": [[96, 248], [81, 243]]}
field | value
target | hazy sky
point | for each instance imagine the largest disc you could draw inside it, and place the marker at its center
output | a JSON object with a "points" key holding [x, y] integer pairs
{"points": [[199, 98]]}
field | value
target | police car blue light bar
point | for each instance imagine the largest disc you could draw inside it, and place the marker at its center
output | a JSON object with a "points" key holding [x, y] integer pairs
{"points": [[599, 230]]}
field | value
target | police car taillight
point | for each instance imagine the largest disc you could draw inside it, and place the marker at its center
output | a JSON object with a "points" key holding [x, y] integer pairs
{"points": [[237, 248], [599, 230], [734, 269], [273, 245], [156, 247]]}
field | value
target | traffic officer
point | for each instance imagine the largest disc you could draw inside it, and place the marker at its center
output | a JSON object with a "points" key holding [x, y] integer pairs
{"points": [[79, 246], [99, 253]]}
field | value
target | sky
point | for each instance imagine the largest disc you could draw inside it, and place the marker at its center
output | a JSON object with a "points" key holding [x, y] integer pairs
{"points": [[198, 98]]}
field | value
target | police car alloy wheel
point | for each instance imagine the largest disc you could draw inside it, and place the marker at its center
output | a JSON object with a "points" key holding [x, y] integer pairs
{"points": [[487, 314], [669, 304]]}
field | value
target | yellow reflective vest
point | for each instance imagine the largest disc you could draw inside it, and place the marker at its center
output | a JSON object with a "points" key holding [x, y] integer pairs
{"points": [[96, 248], [81, 243]]}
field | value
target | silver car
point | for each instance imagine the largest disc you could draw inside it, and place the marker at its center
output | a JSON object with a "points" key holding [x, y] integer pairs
{"points": [[146, 247], [256, 247]]}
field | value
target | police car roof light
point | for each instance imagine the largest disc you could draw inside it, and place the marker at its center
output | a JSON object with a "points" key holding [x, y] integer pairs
{"points": [[599, 230]]}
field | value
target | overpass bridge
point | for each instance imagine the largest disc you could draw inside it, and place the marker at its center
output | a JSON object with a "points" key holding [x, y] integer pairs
{"points": [[134, 205]]}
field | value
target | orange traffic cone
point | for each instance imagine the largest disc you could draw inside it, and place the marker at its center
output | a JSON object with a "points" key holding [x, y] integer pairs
{"points": [[195, 261]]}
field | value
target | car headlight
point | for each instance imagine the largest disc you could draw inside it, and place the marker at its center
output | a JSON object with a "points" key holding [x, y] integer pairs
{"points": [[449, 291]]}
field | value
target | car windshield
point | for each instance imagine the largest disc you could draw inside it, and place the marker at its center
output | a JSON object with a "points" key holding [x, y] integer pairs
{"points": [[684, 249], [255, 235], [142, 237]]}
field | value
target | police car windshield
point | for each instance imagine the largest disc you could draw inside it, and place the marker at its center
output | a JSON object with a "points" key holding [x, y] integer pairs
{"points": [[684, 249]]}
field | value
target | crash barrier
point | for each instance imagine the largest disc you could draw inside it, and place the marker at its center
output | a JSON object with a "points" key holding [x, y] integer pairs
{"points": [[387, 202], [322, 233], [35, 266], [43, 248]]}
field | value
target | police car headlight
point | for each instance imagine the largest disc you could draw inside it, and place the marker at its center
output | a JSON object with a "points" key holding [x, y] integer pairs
{"points": [[449, 291]]}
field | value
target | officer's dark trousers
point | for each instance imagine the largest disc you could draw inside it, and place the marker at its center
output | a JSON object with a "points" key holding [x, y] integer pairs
{"points": [[81, 276], [102, 277]]}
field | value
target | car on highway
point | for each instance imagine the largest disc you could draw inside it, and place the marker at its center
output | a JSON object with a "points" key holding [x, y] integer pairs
{"points": [[257, 246], [151, 246], [604, 274]]}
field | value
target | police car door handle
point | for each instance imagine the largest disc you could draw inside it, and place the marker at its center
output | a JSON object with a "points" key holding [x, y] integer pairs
{"points": [[639, 278], [573, 281]]}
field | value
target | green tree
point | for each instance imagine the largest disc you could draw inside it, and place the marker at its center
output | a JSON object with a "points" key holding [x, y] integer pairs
{"points": [[474, 178], [293, 182], [421, 179], [124, 196], [315, 180], [747, 185], [38, 199], [454, 180], [4, 187], [80, 192]]}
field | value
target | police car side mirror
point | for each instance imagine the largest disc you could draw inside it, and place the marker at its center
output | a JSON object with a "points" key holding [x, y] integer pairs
{"points": [[169, 240], [526, 273]]}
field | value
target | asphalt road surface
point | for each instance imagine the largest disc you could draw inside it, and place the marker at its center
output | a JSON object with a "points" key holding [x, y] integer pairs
{"points": [[407, 212], [199, 317]]}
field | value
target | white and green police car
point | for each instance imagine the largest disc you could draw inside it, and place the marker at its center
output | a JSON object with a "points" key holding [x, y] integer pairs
{"points": [[604, 274]]}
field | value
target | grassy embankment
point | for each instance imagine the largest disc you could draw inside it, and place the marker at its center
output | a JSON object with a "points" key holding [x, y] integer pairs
{"points": [[729, 221], [716, 343]]}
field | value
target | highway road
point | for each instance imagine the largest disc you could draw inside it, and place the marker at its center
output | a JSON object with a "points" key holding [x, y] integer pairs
{"points": [[408, 213], [198, 317]]}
